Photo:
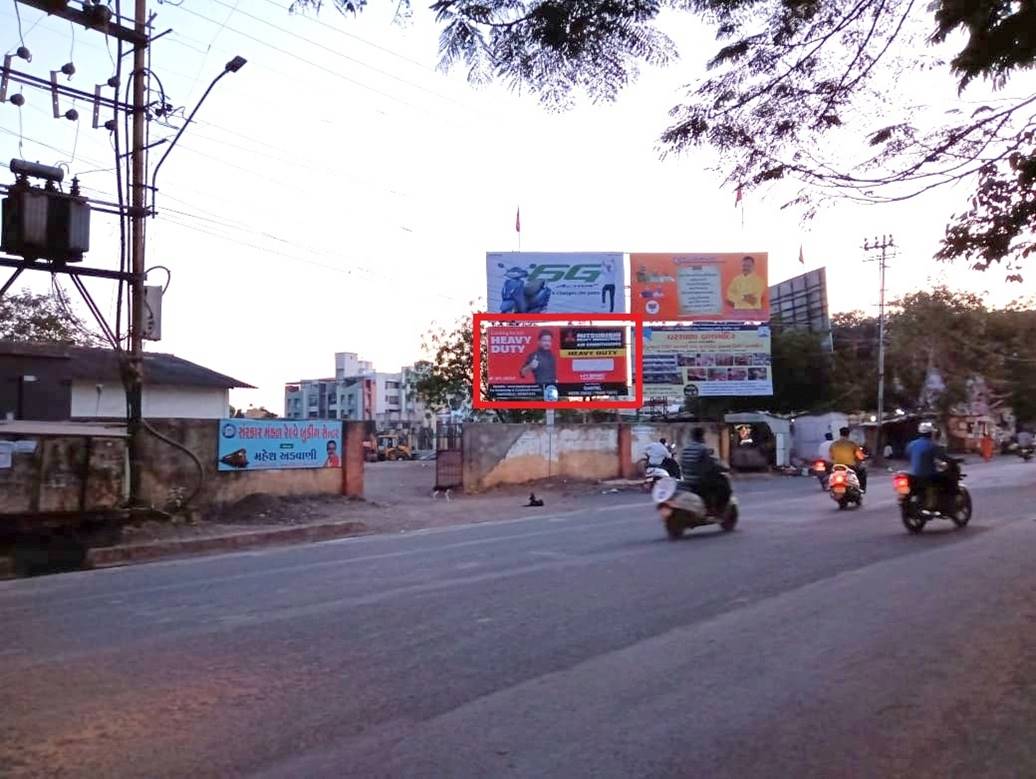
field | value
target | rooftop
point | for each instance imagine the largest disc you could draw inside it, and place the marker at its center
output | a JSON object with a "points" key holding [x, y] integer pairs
{"points": [[93, 364]]}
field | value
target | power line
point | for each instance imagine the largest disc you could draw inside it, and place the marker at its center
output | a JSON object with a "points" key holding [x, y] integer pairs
{"points": [[365, 41], [318, 66], [361, 63]]}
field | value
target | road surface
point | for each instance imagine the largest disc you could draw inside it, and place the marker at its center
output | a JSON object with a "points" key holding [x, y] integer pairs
{"points": [[808, 643]]}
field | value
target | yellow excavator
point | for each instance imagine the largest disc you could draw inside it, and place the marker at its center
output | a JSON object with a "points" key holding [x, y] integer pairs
{"points": [[392, 446]]}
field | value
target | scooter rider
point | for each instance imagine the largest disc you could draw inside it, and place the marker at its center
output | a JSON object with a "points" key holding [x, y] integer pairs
{"points": [[702, 472], [659, 456], [847, 452]]}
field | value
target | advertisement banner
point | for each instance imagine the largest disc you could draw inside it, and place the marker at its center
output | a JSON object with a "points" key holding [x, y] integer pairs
{"points": [[710, 360], [545, 363], [552, 282], [265, 444], [700, 287]]}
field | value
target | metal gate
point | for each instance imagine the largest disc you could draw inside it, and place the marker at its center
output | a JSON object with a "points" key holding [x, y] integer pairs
{"points": [[449, 456]]}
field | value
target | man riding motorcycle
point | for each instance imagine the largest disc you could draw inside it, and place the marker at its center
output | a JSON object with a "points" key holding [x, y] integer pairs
{"points": [[659, 456], [847, 452], [923, 454], [702, 472]]}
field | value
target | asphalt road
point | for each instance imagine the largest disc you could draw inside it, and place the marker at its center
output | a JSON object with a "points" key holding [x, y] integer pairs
{"points": [[808, 643]]}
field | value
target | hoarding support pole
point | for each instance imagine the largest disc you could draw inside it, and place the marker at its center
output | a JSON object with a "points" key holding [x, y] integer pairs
{"points": [[138, 194]]}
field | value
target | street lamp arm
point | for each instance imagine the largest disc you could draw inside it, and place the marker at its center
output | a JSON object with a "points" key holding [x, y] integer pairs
{"points": [[231, 67]]}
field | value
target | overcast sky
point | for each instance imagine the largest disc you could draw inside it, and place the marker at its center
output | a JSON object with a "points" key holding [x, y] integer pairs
{"points": [[340, 194]]}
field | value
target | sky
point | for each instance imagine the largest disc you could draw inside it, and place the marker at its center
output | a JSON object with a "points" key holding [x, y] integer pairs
{"points": [[339, 193]]}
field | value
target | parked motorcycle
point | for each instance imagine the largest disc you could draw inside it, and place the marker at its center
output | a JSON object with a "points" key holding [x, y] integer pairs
{"points": [[946, 499], [844, 487], [682, 510]]}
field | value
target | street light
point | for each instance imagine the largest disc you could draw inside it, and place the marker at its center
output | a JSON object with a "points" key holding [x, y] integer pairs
{"points": [[231, 67]]}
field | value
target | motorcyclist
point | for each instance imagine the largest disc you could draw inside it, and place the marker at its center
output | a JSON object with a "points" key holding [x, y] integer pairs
{"points": [[659, 455], [703, 473], [847, 452], [923, 454]]}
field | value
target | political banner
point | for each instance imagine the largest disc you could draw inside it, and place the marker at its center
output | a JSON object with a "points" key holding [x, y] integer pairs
{"points": [[265, 444], [552, 282], [545, 363], [708, 360], [700, 287]]}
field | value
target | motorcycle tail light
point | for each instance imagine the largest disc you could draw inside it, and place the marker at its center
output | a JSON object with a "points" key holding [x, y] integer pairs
{"points": [[902, 484], [839, 478], [819, 466]]}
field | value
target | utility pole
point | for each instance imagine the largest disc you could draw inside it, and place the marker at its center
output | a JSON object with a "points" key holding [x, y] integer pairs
{"points": [[884, 245], [138, 220]]}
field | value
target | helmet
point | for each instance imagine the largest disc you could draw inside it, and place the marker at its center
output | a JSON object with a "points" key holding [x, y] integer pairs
{"points": [[926, 428]]}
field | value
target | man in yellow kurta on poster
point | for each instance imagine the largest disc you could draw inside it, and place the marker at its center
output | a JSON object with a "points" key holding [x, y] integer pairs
{"points": [[746, 291]]}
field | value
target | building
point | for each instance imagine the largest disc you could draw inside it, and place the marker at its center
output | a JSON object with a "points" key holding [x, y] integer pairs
{"points": [[50, 382], [359, 392]]}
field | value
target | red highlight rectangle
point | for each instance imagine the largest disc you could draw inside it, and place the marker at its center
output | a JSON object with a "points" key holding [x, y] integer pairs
{"points": [[637, 344]]}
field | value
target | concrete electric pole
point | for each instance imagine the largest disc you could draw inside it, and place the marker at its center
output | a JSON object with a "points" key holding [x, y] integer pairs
{"points": [[882, 247], [138, 222]]}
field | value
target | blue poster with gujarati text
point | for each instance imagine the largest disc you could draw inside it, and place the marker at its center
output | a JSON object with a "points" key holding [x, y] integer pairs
{"points": [[264, 444]]}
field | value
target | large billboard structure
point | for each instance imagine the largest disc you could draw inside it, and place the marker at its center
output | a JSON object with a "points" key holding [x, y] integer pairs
{"points": [[800, 303], [555, 282], [700, 287], [536, 362], [717, 359]]}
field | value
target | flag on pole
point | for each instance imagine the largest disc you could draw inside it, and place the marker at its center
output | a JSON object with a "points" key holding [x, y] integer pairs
{"points": [[802, 259], [518, 220]]}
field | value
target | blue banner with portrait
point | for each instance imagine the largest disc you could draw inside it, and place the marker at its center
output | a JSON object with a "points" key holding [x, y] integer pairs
{"points": [[265, 444]]}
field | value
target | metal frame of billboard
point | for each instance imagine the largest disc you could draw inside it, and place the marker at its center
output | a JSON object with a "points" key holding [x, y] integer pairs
{"points": [[478, 402], [793, 309]]}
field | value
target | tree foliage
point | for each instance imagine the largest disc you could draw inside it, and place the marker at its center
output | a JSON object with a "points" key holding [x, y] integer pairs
{"points": [[804, 90], [44, 318]]}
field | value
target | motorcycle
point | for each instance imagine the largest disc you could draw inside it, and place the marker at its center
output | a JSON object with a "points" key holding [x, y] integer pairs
{"points": [[949, 499], [844, 487], [1026, 453], [682, 509], [821, 472]]}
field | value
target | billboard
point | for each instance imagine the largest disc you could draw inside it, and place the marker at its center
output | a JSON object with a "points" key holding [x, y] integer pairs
{"points": [[700, 287], [552, 282], [530, 362], [265, 444], [800, 303], [708, 360]]}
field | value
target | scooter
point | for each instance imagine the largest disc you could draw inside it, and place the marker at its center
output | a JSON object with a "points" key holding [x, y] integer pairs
{"points": [[652, 475], [951, 500], [844, 486], [681, 509]]}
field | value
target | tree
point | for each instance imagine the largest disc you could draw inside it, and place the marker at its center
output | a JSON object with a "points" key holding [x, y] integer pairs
{"points": [[446, 383], [801, 373], [27, 317], [788, 76]]}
